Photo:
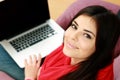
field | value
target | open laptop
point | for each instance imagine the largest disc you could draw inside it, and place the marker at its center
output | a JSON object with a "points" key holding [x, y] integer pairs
{"points": [[27, 29]]}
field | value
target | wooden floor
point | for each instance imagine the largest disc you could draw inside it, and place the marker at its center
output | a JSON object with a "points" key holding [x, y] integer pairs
{"points": [[57, 7]]}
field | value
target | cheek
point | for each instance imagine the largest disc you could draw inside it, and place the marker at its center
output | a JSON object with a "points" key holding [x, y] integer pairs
{"points": [[86, 49], [83, 52], [68, 32], [67, 35]]}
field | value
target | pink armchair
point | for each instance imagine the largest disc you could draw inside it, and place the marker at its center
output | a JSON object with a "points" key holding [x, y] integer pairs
{"points": [[4, 76]]}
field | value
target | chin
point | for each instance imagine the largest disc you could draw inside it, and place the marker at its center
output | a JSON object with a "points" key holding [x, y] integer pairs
{"points": [[67, 52]]}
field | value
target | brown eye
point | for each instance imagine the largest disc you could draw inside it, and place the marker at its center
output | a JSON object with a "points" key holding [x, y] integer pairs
{"points": [[73, 26], [87, 36]]}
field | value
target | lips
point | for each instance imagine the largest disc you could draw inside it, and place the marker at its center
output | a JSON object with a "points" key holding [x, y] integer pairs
{"points": [[71, 46]]}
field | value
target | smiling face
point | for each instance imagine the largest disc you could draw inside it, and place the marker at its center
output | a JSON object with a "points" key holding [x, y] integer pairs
{"points": [[79, 39]]}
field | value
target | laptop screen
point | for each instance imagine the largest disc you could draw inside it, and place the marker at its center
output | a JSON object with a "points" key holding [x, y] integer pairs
{"points": [[17, 16]]}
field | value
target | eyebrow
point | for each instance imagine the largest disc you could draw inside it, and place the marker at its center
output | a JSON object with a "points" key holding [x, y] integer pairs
{"points": [[84, 29], [90, 32], [76, 23]]}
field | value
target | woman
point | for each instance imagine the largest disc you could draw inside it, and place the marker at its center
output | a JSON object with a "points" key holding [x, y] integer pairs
{"points": [[87, 51]]}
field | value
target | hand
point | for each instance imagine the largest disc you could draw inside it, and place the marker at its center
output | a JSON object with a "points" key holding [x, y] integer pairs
{"points": [[32, 67]]}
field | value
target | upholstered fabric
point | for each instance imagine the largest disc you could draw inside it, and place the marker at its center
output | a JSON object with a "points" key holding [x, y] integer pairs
{"points": [[65, 18], [117, 49], [4, 76], [116, 67]]}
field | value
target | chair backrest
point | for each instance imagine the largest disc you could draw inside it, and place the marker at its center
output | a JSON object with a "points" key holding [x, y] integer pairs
{"points": [[71, 11], [116, 67], [4, 76]]}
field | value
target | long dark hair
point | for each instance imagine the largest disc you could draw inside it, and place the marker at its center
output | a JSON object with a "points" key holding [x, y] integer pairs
{"points": [[108, 32]]}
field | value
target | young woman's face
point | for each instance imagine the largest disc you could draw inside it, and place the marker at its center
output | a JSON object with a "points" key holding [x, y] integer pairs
{"points": [[80, 37]]}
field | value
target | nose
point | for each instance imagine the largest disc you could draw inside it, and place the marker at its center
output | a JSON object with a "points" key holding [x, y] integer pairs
{"points": [[74, 36]]}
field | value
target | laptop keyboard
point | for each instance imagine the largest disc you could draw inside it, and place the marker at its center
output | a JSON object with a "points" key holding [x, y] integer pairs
{"points": [[33, 37]]}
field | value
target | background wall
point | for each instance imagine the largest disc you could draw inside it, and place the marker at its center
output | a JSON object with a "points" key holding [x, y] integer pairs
{"points": [[57, 7]]}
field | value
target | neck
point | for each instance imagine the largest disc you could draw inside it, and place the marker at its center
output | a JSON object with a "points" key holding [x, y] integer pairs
{"points": [[75, 61]]}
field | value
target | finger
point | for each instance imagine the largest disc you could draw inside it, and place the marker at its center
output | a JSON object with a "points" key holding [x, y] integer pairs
{"points": [[34, 59], [25, 62], [39, 71], [39, 60], [30, 59]]}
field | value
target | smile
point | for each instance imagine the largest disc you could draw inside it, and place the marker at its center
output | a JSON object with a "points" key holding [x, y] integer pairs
{"points": [[71, 46]]}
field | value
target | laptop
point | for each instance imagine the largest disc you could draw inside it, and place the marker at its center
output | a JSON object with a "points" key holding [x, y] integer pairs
{"points": [[26, 29]]}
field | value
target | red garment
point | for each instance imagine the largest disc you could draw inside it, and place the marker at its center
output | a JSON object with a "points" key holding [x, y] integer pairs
{"points": [[106, 73], [57, 64]]}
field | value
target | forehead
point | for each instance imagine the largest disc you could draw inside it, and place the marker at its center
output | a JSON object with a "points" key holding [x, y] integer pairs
{"points": [[86, 22]]}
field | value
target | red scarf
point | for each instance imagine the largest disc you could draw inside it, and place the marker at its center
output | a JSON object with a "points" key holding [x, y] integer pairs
{"points": [[57, 64]]}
